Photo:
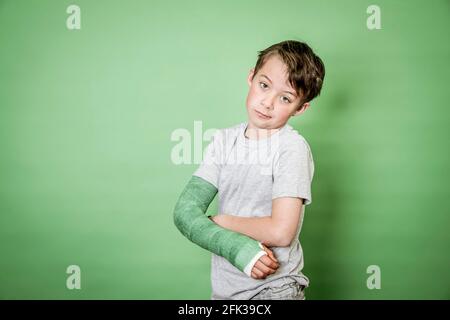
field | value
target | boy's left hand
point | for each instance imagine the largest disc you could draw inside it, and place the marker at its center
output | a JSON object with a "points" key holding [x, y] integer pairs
{"points": [[266, 265]]}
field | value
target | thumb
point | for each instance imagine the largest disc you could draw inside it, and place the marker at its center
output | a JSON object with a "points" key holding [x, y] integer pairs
{"points": [[269, 253]]}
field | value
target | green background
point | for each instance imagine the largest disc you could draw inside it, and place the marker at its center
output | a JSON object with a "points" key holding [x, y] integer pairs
{"points": [[86, 118]]}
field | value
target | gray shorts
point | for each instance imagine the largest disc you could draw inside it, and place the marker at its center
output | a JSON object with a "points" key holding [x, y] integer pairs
{"points": [[289, 291]]}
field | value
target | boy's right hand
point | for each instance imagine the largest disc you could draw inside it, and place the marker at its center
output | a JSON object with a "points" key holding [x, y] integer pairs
{"points": [[265, 266]]}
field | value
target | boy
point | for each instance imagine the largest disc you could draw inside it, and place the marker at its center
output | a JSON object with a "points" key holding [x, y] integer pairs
{"points": [[262, 170]]}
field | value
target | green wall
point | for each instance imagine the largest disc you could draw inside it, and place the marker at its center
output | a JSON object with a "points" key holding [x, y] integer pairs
{"points": [[86, 118]]}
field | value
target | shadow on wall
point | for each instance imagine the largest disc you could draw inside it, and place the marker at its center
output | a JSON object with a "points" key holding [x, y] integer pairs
{"points": [[320, 235]]}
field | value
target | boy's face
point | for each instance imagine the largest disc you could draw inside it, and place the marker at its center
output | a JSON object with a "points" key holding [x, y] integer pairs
{"points": [[271, 94]]}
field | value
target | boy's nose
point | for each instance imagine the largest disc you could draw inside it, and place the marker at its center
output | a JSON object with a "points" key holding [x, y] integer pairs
{"points": [[268, 102]]}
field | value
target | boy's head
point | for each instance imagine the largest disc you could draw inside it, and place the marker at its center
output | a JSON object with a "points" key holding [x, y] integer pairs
{"points": [[286, 77]]}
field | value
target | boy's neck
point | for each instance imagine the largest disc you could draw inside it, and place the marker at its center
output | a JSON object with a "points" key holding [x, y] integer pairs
{"points": [[255, 133]]}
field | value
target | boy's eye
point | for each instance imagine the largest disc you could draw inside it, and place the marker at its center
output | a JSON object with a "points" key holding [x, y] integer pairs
{"points": [[285, 99]]}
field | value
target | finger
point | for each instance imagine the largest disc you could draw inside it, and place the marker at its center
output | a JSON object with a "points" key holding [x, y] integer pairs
{"points": [[272, 256], [254, 275], [268, 262], [259, 274], [270, 253], [264, 268]]}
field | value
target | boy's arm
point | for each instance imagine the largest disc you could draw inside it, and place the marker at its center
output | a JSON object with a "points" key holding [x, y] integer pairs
{"points": [[189, 217], [277, 230], [291, 190]]}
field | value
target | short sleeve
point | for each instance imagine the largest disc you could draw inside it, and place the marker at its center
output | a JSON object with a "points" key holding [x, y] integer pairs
{"points": [[209, 168], [293, 172]]}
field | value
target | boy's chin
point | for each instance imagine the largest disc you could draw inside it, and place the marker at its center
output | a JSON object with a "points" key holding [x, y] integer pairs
{"points": [[262, 125]]}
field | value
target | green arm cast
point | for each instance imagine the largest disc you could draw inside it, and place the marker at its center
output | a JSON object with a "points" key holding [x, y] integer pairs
{"points": [[189, 217]]}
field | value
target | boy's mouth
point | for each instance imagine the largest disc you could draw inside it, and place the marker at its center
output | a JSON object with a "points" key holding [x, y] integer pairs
{"points": [[262, 115]]}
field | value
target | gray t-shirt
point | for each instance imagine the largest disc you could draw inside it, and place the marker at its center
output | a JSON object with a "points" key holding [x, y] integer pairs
{"points": [[248, 174]]}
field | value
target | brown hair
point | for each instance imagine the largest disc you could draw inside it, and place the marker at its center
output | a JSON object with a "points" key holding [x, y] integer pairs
{"points": [[305, 69]]}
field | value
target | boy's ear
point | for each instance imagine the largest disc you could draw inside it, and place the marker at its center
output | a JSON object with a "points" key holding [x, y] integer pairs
{"points": [[302, 109], [250, 76]]}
